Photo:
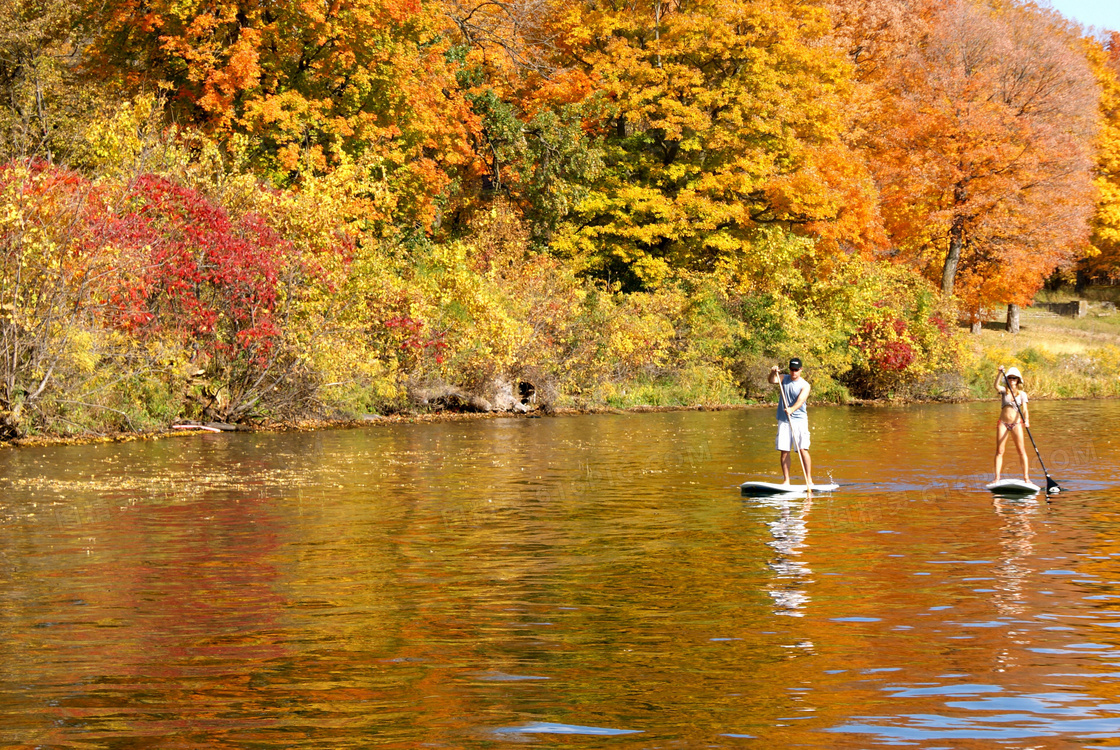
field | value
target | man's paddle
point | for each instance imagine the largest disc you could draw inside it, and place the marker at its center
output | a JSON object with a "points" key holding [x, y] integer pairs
{"points": [[1052, 487], [793, 436]]}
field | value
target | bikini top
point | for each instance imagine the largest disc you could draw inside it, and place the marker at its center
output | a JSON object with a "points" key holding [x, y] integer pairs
{"points": [[1009, 400]]}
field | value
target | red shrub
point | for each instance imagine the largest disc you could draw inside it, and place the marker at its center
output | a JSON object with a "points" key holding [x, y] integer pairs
{"points": [[195, 271], [883, 344]]}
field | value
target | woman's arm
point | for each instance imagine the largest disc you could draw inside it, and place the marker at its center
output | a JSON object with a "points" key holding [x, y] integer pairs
{"points": [[999, 380], [1026, 412]]}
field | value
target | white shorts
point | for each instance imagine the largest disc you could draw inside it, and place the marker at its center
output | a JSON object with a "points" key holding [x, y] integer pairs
{"points": [[801, 427]]}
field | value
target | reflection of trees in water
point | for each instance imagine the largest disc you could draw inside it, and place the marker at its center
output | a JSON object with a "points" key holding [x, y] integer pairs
{"points": [[791, 573]]}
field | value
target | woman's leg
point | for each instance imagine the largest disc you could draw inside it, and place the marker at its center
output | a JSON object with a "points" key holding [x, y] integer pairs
{"points": [[1017, 433], [1001, 440]]}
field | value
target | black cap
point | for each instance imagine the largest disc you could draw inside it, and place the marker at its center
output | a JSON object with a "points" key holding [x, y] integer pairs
{"points": [[795, 364]]}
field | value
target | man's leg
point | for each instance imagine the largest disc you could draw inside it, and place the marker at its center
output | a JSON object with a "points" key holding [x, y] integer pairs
{"points": [[802, 435], [808, 466], [784, 458]]}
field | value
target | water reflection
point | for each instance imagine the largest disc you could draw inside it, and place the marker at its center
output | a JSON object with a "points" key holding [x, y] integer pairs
{"points": [[563, 582], [791, 573], [1014, 569]]}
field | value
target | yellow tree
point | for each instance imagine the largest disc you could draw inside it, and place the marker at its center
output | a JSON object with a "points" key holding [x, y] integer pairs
{"points": [[42, 111], [717, 117], [1103, 261]]}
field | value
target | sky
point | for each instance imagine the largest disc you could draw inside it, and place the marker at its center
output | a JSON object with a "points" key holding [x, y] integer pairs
{"points": [[1104, 14]]}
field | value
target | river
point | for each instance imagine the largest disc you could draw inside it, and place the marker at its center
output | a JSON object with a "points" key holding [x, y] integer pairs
{"points": [[590, 581]]}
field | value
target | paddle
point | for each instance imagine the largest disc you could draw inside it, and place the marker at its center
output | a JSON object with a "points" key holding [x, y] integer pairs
{"points": [[793, 437], [1052, 487]]}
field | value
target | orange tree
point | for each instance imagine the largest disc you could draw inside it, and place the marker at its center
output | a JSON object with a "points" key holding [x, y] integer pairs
{"points": [[311, 86], [983, 151]]}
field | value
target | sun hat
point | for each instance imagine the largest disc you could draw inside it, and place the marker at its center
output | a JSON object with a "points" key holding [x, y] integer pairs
{"points": [[1013, 372]]}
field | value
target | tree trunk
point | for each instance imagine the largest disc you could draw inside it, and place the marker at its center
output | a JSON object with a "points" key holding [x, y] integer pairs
{"points": [[953, 259], [977, 326], [1012, 318]]}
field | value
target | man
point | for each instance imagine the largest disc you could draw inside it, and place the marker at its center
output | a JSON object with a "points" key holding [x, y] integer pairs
{"points": [[793, 421]]}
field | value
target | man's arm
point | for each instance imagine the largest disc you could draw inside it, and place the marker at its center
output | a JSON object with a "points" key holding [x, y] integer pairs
{"points": [[774, 375], [801, 399]]}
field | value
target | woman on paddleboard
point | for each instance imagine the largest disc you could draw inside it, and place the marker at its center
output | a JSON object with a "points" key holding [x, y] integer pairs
{"points": [[1013, 417], [793, 421]]}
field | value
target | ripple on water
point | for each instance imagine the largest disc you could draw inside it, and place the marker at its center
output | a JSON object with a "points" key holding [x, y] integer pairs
{"points": [[961, 689], [994, 716], [855, 619], [503, 677], [550, 727]]}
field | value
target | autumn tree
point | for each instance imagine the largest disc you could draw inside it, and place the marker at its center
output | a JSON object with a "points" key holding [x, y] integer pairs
{"points": [[719, 117], [51, 263], [984, 157], [1103, 261], [517, 32], [534, 153], [42, 108], [875, 34], [370, 86]]}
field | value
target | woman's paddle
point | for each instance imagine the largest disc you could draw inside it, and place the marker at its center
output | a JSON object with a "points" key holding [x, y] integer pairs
{"points": [[793, 437], [1052, 487]]}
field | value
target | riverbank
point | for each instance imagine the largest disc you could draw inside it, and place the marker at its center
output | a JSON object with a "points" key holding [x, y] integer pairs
{"points": [[1061, 358], [370, 421]]}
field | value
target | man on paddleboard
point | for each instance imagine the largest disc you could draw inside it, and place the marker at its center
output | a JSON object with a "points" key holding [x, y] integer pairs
{"points": [[793, 420]]}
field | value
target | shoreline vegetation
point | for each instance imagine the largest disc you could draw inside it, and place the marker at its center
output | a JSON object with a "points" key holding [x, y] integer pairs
{"points": [[1063, 358], [312, 425], [287, 215]]}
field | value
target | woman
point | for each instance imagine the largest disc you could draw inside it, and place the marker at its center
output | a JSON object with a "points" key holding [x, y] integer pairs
{"points": [[1013, 417]]}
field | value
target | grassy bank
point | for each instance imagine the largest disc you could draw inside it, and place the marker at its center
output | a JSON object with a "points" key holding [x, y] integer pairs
{"points": [[1060, 357]]}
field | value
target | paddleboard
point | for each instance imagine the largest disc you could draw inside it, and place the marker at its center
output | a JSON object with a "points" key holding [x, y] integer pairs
{"points": [[1013, 487], [762, 489]]}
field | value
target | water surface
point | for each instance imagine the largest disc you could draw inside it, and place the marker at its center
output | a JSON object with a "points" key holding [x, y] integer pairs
{"points": [[591, 581]]}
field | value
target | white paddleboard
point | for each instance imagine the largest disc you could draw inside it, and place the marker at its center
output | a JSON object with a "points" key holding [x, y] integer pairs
{"points": [[776, 488], [1013, 487]]}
